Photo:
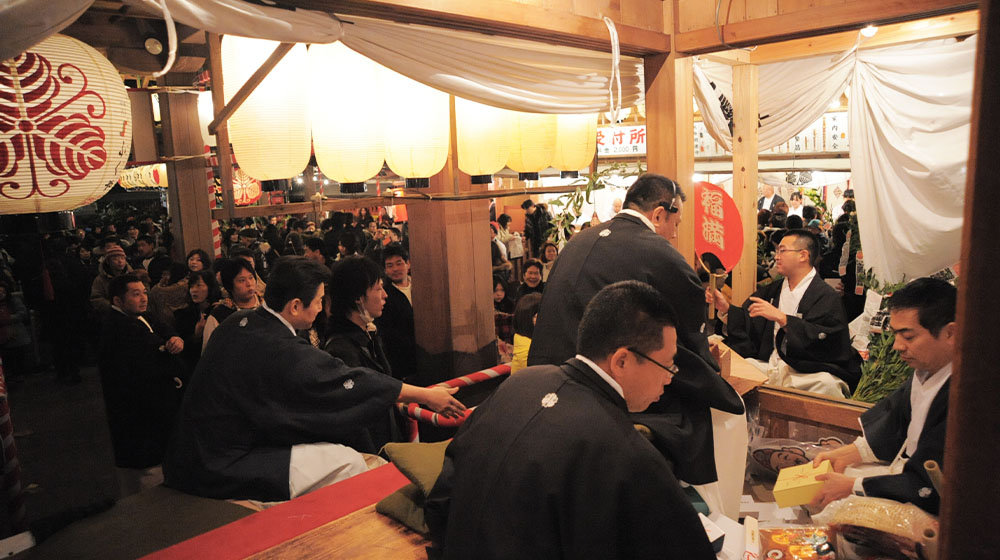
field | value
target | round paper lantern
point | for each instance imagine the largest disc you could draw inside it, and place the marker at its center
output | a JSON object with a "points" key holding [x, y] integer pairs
{"points": [[483, 139], [206, 113], [417, 127], [270, 132], [246, 189], [65, 127], [346, 114], [533, 140], [576, 142], [154, 175]]}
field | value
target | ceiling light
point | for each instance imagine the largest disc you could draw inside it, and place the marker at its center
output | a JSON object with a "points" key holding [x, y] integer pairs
{"points": [[869, 31]]}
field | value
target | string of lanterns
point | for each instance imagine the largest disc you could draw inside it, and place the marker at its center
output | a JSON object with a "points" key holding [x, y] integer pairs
{"points": [[359, 114], [154, 175]]}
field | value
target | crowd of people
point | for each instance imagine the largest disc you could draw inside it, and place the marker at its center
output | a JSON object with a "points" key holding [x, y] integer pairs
{"points": [[122, 302]]}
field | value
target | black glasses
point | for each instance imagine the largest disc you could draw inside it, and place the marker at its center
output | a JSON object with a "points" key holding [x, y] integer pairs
{"points": [[671, 208], [672, 369]]}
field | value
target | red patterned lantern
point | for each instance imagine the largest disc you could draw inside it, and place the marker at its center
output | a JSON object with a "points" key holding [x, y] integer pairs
{"points": [[65, 127], [246, 189]]}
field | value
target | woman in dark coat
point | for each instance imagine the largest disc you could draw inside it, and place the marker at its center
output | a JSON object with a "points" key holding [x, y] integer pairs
{"points": [[356, 298], [189, 321]]}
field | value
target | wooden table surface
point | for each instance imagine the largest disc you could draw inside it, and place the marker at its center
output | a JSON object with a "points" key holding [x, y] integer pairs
{"points": [[361, 535]]}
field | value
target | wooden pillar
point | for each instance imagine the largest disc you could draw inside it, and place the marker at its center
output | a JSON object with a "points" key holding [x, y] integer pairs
{"points": [[222, 148], [190, 215], [971, 482], [451, 266], [143, 133], [745, 80], [670, 133]]}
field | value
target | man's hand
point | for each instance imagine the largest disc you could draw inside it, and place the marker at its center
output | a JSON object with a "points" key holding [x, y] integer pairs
{"points": [[199, 327], [835, 487], [713, 295], [840, 458], [761, 308], [440, 400], [174, 345]]}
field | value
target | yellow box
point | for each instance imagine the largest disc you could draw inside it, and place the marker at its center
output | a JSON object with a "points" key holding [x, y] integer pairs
{"points": [[798, 485]]}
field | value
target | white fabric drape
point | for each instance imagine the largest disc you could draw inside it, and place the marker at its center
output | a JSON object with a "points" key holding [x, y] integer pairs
{"points": [[792, 95], [509, 73], [236, 17], [910, 112], [24, 24]]}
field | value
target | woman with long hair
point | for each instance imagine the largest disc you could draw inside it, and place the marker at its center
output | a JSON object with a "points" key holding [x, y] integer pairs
{"points": [[203, 291]]}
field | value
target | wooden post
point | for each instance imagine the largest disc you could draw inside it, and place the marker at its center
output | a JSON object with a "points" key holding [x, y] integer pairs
{"points": [[745, 80], [971, 484], [451, 265], [190, 215], [670, 133], [222, 148], [143, 136]]}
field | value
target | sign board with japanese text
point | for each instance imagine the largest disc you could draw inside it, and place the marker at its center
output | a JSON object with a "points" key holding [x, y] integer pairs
{"points": [[621, 140], [718, 228]]}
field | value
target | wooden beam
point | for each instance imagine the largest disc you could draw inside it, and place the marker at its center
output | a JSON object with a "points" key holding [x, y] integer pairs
{"points": [[812, 407], [971, 482], [831, 18], [190, 215], [143, 135], [504, 18], [745, 120], [670, 133], [952, 25], [730, 58], [255, 79], [222, 148]]}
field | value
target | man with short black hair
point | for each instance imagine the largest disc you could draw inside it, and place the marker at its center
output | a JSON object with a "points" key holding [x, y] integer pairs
{"points": [[141, 377], [634, 245], [395, 326], [269, 417], [550, 465], [908, 427], [795, 330], [314, 249], [142, 254]]}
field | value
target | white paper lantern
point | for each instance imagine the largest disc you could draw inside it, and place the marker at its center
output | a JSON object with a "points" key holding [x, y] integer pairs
{"points": [[206, 113], [154, 175], [533, 140], [246, 189], [270, 132], [483, 137], [65, 127], [417, 126], [576, 141], [346, 113]]}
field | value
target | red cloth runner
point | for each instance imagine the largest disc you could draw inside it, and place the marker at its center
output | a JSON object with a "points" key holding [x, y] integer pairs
{"points": [[278, 524]]}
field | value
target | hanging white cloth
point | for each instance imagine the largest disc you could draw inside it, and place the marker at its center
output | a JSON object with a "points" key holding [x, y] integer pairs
{"points": [[910, 113], [236, 17], [503, 72], [23, 24], [792, 95]]}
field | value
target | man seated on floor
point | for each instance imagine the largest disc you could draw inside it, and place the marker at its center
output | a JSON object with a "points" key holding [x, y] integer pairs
{"points": [[795, 330], [550, 466], [267, 416], [907, 427]]}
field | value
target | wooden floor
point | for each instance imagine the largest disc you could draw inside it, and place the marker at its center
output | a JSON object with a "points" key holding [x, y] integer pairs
{"points": [[361, 535]]}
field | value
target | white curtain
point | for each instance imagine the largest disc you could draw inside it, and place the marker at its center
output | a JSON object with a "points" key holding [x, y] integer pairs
{"points": [[910, 109], [509, 73], [791, 96], [24, 24]]}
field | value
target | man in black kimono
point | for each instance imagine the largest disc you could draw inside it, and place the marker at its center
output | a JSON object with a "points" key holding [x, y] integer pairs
{"points": [[795, 330], [141, 378], [907, 427], [550, 466], [267, 416], [635, 245]]}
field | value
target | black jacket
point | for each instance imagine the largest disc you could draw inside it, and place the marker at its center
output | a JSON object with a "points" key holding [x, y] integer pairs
{"points": [[396, 328]]}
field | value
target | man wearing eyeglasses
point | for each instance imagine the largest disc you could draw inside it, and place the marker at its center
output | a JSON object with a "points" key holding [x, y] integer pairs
{"points": [[635, 245], [550, 466], [795, 330]]}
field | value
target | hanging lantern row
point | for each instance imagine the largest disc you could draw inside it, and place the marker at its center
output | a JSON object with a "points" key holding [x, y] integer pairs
{"points": [[362, 114], [65, 127], [154, 175]]}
